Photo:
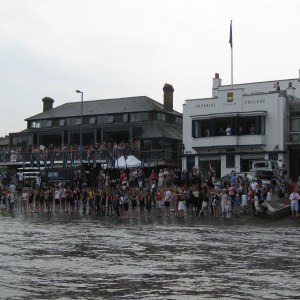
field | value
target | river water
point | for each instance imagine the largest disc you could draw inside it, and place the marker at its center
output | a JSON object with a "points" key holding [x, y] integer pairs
{"points": [[54, 256]]}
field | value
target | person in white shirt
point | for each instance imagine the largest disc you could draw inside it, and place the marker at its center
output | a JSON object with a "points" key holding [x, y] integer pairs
{"points": [[57, 194], [228, 130], [25, 200], [294, 197], [167, 201], [63, 199], [12, 188], [20, 180], [253, 184], [244, 203], [38, 181]]}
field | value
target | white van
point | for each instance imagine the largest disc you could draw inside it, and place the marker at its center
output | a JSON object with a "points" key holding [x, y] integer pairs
{"points": [[265, 169]]}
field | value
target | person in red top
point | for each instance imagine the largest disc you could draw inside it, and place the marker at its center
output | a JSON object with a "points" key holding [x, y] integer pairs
{"points": [[153, 176], [292, 185], [122, 175]]}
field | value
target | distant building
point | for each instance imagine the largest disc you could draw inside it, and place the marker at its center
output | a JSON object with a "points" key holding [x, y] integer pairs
{"points": [[153, 129], [251, 121], [4, 142]]}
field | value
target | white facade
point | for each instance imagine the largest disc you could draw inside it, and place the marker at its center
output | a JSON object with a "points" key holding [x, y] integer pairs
{"points": [[258, 105]]}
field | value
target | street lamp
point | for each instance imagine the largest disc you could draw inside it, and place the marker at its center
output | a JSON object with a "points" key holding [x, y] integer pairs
{"points": [[81, 110]]}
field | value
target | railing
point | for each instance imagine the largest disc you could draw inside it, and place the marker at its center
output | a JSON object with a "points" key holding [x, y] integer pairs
{"points": [[293, 137], [229, 140], [15, 156], [160, 155]]}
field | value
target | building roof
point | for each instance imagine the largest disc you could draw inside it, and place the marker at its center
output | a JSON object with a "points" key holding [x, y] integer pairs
{"points": [[161, 130], [102, 107], [4, 141]]}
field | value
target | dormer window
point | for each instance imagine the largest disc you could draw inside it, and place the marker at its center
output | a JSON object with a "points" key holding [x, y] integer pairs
{"points": [[48, 123], [161, 117], [104, 119], [62, 122], [35, 124], [93, 120], [76, 121]]}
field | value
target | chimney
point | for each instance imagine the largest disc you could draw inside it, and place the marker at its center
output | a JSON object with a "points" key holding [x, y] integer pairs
{"points": [[168, 97], [48, 103], [217, 82], [290, 91]]}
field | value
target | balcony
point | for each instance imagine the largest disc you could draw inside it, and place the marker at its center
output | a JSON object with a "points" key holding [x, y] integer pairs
{"points": [[47, 157], [229, 141], [293, 138]]}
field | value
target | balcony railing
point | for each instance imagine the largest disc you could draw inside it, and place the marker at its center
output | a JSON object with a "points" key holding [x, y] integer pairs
{"points": [[14, 156], [230, 141], [293, 138]]}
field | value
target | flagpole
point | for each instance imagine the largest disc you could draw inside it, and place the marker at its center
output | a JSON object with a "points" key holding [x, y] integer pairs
{"points": [[231, 68], [231, 46]]}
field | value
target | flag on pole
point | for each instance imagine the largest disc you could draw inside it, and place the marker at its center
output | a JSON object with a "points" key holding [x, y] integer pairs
{"points": [[230, 34]]}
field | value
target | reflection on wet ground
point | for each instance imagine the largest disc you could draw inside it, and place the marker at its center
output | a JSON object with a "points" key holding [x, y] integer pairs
{"points": [[74, 257]]}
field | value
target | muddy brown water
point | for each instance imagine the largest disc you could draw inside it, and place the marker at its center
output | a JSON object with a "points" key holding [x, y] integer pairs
{"points": [[56, 256]]}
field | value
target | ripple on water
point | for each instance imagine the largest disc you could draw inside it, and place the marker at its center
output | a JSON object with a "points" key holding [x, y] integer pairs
{"points": [[81, 259]]}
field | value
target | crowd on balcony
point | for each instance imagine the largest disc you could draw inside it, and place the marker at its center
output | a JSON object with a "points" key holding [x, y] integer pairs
{"points": [[105, 150]]}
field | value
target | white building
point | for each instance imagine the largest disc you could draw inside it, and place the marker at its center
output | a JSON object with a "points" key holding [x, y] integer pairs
{"points": [[262, 122]]}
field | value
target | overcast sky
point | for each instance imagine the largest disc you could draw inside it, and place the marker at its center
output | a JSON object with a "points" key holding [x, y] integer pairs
{"points": [[124, 48]]}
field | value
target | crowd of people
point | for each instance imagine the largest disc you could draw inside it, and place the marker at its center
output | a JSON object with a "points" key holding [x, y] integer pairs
{"points": [[109, 150], [132, 194]]}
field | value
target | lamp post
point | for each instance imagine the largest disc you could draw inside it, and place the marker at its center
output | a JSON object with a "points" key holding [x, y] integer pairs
{"points": [[81, 110]]}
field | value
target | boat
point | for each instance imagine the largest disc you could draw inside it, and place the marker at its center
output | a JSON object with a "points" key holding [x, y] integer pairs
{"points": [[277, 209]]}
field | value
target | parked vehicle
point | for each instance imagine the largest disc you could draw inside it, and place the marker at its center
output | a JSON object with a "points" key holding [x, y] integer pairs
{"points": [[265, 169], [240, 175]]}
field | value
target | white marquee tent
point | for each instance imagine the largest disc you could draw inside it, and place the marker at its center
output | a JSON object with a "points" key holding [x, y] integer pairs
{"points": [[130, 162]]}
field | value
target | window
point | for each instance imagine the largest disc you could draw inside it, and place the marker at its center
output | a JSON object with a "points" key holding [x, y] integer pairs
{"points": [[201, 128], [146, 145], [157, 145], [93, 120], [100, 119], [239, 126], [145, 116], [69, 121], [35, 124], [251, 125], [135, 117], [105, 119], [295, 124], [221, 124], [178, 120], [230, 161], [125, 118], [76, 121], [48, 123], [161, 117], [139, 117], [62, 122], [295, 130], [273, 156]]}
